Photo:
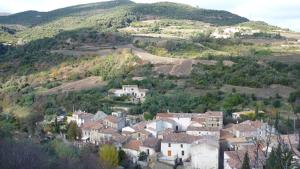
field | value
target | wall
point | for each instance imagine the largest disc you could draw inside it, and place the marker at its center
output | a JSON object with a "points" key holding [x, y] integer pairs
{"points": [[176, 150], [205, 156]]}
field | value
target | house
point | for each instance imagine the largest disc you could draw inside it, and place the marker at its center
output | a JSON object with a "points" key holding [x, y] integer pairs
{"points": [[257, 129], [114, 122], [108, 136], [184, 120], [204, 131], [80, 117], [150, 146], [137, 94], [234, 159], [205, 154], [176, 147], [89, 127], [132, 149], [159, 125], [181, 120]]}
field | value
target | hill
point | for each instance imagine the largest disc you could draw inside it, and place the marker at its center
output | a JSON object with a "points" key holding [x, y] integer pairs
{"points": [[33, 18]]}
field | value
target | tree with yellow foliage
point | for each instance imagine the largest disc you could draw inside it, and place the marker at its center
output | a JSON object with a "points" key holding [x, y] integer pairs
{"points": [[109, 156]]}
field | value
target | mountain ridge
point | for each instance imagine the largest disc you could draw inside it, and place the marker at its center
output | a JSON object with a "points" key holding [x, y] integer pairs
{"points": [[32, 18]]}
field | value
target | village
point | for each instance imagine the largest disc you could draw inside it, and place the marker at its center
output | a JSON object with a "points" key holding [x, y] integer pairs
{"points": [[186, 140]]}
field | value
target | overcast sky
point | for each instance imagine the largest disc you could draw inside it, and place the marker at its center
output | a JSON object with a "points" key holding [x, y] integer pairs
{"points": [[284, 13]]}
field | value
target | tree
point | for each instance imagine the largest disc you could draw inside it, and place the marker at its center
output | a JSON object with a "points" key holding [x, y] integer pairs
{"points": [[73, 131], [142, 156], [109, 155], [256, 112], [276, 125], [280, 157], [246, 161]]}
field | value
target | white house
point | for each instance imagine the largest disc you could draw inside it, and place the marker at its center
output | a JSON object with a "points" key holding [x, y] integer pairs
{"points": [[250, 129], [184, 120], [80, 117], [204, 131], [176, 147], [157, 126], [133, 91], [205, 154]]}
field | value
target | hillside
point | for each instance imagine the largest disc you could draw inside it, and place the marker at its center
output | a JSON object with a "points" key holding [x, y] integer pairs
{"points": [[33, 18], [190, 59]]}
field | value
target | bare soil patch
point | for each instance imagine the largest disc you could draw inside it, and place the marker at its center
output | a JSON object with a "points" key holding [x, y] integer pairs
{"points": [[83, 84]]}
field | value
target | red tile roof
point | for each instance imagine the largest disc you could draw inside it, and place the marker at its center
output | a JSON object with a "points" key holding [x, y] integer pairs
{"points": [[133, 145], [92, 125], [180, 138]]}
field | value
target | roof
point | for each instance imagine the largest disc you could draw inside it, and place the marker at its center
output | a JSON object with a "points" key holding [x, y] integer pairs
{"points": [[151, 142], [83, 114], [140, 126], [92, 125], [99, 115], [135, 86], [193, 128], [133, 145], [112, 119], [169, 115], [236, 157], [108, 130], [214, 113], [191, 115], [180, 138]]}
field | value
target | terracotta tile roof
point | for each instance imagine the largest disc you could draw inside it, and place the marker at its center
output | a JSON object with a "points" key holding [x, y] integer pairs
{"points": [[151, 142], [193, 128], [225, 134], [92, 125], [112, 119], [144, 132], [140, 126], [180, 138], [214, 113], [133, 145], [118, 138], [108, 130]]}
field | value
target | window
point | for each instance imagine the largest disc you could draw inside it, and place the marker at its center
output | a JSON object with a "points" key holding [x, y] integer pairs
{"points": [[169, 153], [182, 153], [169, 144], [181, 145]]}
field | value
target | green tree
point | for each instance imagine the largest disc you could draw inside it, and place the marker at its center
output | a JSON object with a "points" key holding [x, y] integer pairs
{"points": [[121, 156], [142, 156], [109, 155], [256, 112], [280, 157], [246, 162], [73, 131]]}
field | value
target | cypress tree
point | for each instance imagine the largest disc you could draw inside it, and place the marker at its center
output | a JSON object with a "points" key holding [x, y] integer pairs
{"points": [[246, 161]]}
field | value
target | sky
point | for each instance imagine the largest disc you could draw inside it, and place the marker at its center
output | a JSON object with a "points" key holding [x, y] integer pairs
{"points": [[283, 13]]}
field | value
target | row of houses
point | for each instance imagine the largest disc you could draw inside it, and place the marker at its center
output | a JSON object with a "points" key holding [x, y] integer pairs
{"points": [[188, 139], [172, 138]]}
